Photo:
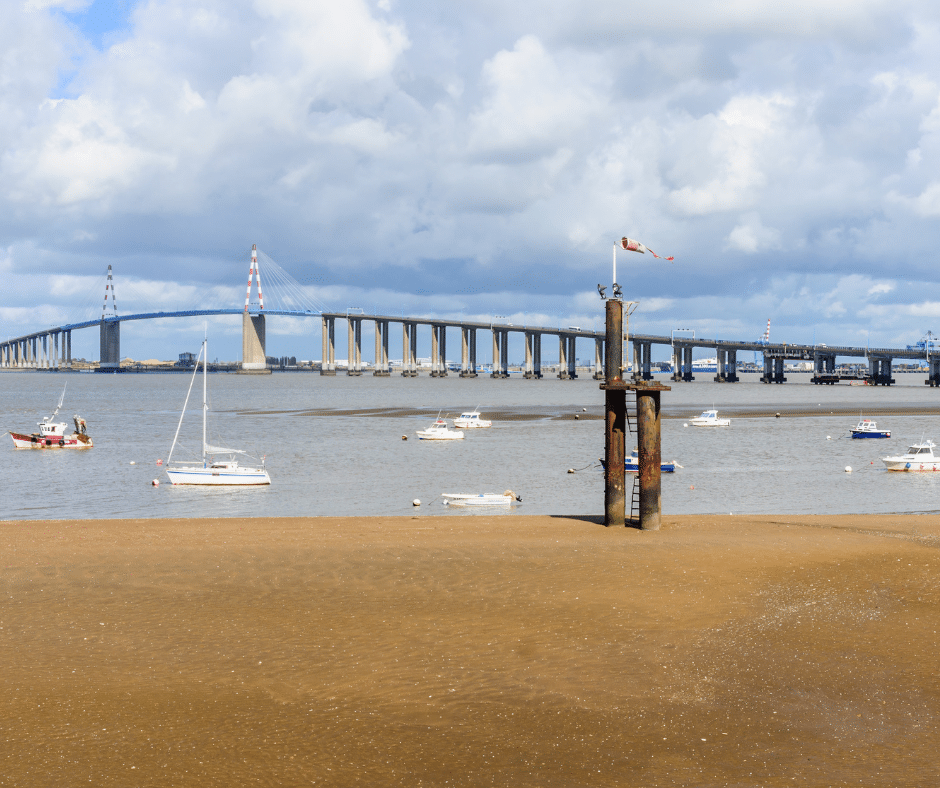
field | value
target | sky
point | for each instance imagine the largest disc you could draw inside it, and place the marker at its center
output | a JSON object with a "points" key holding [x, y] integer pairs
{"points": [[473, 160]]}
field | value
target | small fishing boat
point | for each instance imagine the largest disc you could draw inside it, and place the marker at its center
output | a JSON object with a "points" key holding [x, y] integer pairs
{"points": [[866, 428], [508, 498], [213, 472], [439, 431], [471, 420], [632, 464], [709, 418], [52, 435], [919, 457]]}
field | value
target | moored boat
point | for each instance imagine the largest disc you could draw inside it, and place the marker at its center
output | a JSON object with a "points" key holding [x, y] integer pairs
{"points": [[632, 464], [919, 457], [51, 434], [212, 472], [471, 420], [439, 431], [866, 428], [709, 418], [508, 498]]}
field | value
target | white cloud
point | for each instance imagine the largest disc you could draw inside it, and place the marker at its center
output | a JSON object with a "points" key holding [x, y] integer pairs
{"points": [[739, 144], [533, 101], [751, 236], [501, 147]]}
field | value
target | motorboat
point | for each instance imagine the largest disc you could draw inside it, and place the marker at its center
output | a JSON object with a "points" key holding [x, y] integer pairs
{"points": [[208, 471], [709, 418], [919, 457], [439, 431], [632, 464], [51, 434], [471, 420], [866, 428], [508, 498]]}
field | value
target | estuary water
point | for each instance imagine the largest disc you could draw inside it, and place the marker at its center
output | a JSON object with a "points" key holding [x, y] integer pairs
{"points": [[334, 446]]}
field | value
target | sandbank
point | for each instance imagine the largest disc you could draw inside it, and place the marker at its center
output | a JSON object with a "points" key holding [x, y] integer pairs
{"points": [[463, 651]]}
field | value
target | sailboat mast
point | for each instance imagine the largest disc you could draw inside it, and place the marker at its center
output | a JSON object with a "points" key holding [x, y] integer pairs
{"points": [[205, 403]]}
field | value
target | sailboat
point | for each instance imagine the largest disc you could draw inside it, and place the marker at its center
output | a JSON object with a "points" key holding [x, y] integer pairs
{"points": [[211, 471]]}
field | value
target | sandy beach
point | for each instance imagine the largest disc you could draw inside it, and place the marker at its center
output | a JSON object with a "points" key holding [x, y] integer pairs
{"points": [[469, 651]]}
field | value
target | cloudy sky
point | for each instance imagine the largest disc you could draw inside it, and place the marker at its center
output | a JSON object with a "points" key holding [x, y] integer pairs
{"points": [[473, 159]]}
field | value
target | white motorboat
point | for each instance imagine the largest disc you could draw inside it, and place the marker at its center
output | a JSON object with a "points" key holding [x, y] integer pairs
{"points": [[439, 431], [919, 457], [709, 418], [508, 498], [471, 420], [51, 434], [228, 471]]}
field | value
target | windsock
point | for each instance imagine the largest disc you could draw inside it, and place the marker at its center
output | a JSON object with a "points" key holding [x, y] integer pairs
{"points": [[635, 246]]}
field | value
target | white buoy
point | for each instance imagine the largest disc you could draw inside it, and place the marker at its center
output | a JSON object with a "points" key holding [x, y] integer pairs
{"points": [[828, 437], [155, 483], [571, 470], [685, 425], [848, 468], [416, 502], [133, 463], [576, 417], [584, 410]]}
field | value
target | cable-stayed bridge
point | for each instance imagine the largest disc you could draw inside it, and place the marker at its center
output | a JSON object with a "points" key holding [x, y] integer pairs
{"points": [[51, 349]]}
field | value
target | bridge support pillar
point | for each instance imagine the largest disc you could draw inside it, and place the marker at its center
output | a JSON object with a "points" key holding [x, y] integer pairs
{"points": [[682, 363], [354, 353], [468, 352], [537, 353], [500, 354], [438, 351], [328, 355], [253, 345], [562, 357], [529, 370], [110, 346], [409, 350], [567, 362], [642, 360], [598, 358], [880, 370], [381, 369], [726, 371], [933, 373], [773, 370]]}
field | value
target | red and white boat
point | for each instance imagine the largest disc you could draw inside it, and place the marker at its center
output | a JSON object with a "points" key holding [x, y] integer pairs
{"points": [[52, 435]]}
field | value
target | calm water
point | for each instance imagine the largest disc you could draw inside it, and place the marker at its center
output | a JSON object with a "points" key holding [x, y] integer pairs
{"points": [[359, 465]]}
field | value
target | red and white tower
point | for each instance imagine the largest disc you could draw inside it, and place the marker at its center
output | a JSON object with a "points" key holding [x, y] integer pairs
{"points": [[108, 288], [253, 271]]}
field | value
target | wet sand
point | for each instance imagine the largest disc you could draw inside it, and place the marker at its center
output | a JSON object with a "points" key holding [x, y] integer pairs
{"points": [[466, 651]]}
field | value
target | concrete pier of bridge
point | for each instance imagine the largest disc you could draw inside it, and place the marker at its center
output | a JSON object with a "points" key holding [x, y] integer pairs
{"points": [[468, 352], [254, 361]]}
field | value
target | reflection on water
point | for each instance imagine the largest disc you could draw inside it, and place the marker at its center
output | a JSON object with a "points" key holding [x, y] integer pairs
{"points": [[325, 464]]}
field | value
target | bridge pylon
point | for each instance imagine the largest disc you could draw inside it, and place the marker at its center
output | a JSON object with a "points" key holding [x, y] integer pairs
{"points": [[109, 332], [253, 350]]}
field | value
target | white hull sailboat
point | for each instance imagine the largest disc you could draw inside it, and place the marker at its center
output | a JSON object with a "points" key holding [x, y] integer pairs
{"points": [[228, 471]]}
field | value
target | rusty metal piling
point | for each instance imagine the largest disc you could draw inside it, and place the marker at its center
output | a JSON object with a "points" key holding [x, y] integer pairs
{"points": [[615, 430]]}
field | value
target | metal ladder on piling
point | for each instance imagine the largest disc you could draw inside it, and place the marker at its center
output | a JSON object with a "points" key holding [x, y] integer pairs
{"points": [[634, 514]]}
